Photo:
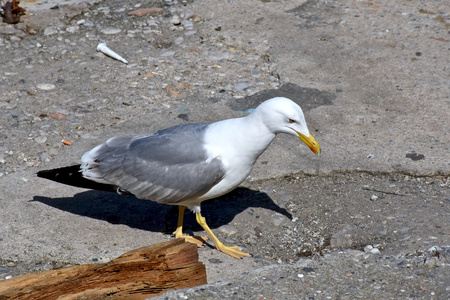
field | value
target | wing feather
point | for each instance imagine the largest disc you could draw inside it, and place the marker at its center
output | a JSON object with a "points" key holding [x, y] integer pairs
{"points": [[168, 167]]}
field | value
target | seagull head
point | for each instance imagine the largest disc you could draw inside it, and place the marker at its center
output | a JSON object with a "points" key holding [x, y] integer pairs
{"points": [[282, 115]]}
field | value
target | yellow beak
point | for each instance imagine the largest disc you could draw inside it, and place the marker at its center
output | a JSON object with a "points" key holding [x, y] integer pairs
{"points": [[310, 141]]}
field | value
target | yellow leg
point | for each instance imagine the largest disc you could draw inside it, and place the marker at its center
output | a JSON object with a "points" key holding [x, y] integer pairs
{"points": [[233, 251], [198, 240]]}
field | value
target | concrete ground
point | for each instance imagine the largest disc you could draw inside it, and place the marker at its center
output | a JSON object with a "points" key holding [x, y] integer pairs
{"points": [[371, 76]]}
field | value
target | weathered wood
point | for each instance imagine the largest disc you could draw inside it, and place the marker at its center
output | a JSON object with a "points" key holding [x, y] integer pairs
{"points": [[138, 274]]}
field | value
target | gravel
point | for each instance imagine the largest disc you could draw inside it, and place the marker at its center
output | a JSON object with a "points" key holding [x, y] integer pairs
{"points": [[368, 220], [358, 277]]}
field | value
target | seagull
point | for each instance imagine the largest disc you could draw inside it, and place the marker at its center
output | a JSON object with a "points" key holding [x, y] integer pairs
{"points": [[187, 164]]}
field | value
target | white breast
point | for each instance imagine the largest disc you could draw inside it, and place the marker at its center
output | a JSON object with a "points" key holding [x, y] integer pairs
{"points": [[237, 143]]}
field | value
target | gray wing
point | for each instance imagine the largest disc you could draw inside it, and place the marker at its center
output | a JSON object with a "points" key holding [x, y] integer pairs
{"points": [[191, 127], [168, 167]]}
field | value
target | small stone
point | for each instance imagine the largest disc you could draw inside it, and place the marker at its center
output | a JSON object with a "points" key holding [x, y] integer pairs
{"points": [[371, 249], [58, 116], [278, 219], [41, 139], [72, 29], [228, 229], [11, 264], [175, 20], [188, 14], [375, 251], [274, 84], [176, 28], [368, 248], [189, 25], [46, 86], [240, 86], [104, 9], [88, 23], [258, 231], [140, 12], [47, 266], [179, 40], [374, 197], [19, 59], [111, 30], [152, 22], [50, 31], [215, 261], [190, 32], [308, 270], [255, 73]]}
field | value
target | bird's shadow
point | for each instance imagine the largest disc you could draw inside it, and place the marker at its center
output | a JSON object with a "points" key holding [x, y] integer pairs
{"points": [[152, 216]]}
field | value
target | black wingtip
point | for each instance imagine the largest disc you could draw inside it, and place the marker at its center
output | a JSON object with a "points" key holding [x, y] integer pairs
{"points": [[60, 174], [72, 176]]}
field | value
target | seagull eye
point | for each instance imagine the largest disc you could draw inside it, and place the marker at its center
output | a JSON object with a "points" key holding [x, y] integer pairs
{"points": [[291, 120]]}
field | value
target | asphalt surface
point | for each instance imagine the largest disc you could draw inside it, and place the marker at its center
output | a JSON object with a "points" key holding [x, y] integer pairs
{"points": [[368, 219]]}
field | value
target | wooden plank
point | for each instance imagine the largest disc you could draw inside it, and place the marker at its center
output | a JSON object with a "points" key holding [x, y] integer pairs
{"points": [[138, 274]]}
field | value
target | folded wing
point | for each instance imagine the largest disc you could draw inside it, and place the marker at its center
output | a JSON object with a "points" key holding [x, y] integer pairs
{"points": [[167, 167]]}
